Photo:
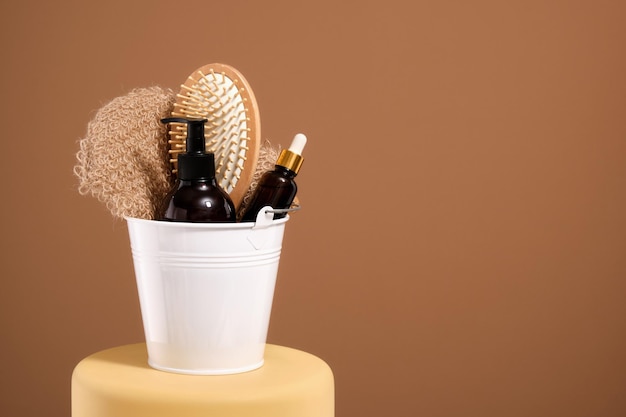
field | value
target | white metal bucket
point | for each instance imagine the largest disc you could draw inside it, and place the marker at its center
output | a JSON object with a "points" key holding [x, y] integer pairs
{"points": [[206, 291]]}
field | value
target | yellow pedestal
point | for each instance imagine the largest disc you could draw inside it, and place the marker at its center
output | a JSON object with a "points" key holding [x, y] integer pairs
{"points": [[119, 383]]}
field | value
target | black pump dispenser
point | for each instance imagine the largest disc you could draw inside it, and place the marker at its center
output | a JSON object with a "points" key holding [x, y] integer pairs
{"points": [[196, 196], [195, 163]]}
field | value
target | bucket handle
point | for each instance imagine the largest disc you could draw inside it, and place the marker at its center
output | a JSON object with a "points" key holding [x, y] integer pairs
{"points": [[264, 219], [265, 216], [295, 207]]}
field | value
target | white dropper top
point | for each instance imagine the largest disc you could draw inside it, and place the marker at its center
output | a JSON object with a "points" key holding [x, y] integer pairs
{"points": [[292, 158], [298, 143]]}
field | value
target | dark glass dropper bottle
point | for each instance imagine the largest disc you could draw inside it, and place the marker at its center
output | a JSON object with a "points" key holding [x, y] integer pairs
{"points": [[196, 196], [278, 188]]}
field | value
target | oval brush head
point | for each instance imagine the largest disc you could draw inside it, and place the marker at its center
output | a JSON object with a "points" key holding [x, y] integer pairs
{"points": [[219, 93]]}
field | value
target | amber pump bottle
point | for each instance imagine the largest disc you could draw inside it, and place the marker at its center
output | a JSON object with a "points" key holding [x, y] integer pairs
{"points": [[196, 196], [278, 188]]}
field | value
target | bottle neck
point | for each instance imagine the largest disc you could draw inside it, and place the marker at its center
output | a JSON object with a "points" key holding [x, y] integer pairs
{"points": [[284, 171], [207, 181]]}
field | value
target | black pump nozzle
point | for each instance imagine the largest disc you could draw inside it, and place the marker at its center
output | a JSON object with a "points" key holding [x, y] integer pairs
{"points": [[195, 163]]}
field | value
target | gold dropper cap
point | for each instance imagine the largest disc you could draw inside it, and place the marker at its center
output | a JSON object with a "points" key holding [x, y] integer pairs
{"points": [[292, 158]]}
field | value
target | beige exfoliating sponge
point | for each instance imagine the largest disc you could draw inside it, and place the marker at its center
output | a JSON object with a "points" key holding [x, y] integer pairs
{"points": [[123, 160]]}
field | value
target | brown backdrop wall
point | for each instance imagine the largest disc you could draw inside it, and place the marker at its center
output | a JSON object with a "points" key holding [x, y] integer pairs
{"points": [[461, 246]]}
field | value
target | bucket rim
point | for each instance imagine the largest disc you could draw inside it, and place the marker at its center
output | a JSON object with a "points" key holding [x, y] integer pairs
{"points": [[200, 225]]}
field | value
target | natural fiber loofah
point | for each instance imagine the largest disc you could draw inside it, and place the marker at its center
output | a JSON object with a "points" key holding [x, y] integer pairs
{"points": [[123, 160]]}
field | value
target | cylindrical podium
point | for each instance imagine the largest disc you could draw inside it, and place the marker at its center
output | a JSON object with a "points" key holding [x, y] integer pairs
{"points": [[118, 382]]}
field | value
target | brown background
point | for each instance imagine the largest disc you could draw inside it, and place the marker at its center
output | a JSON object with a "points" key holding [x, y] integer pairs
{"points": [[461, 247]]}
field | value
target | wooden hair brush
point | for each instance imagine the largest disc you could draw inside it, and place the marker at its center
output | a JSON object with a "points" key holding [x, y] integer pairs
{"points": [[219, 93]]}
